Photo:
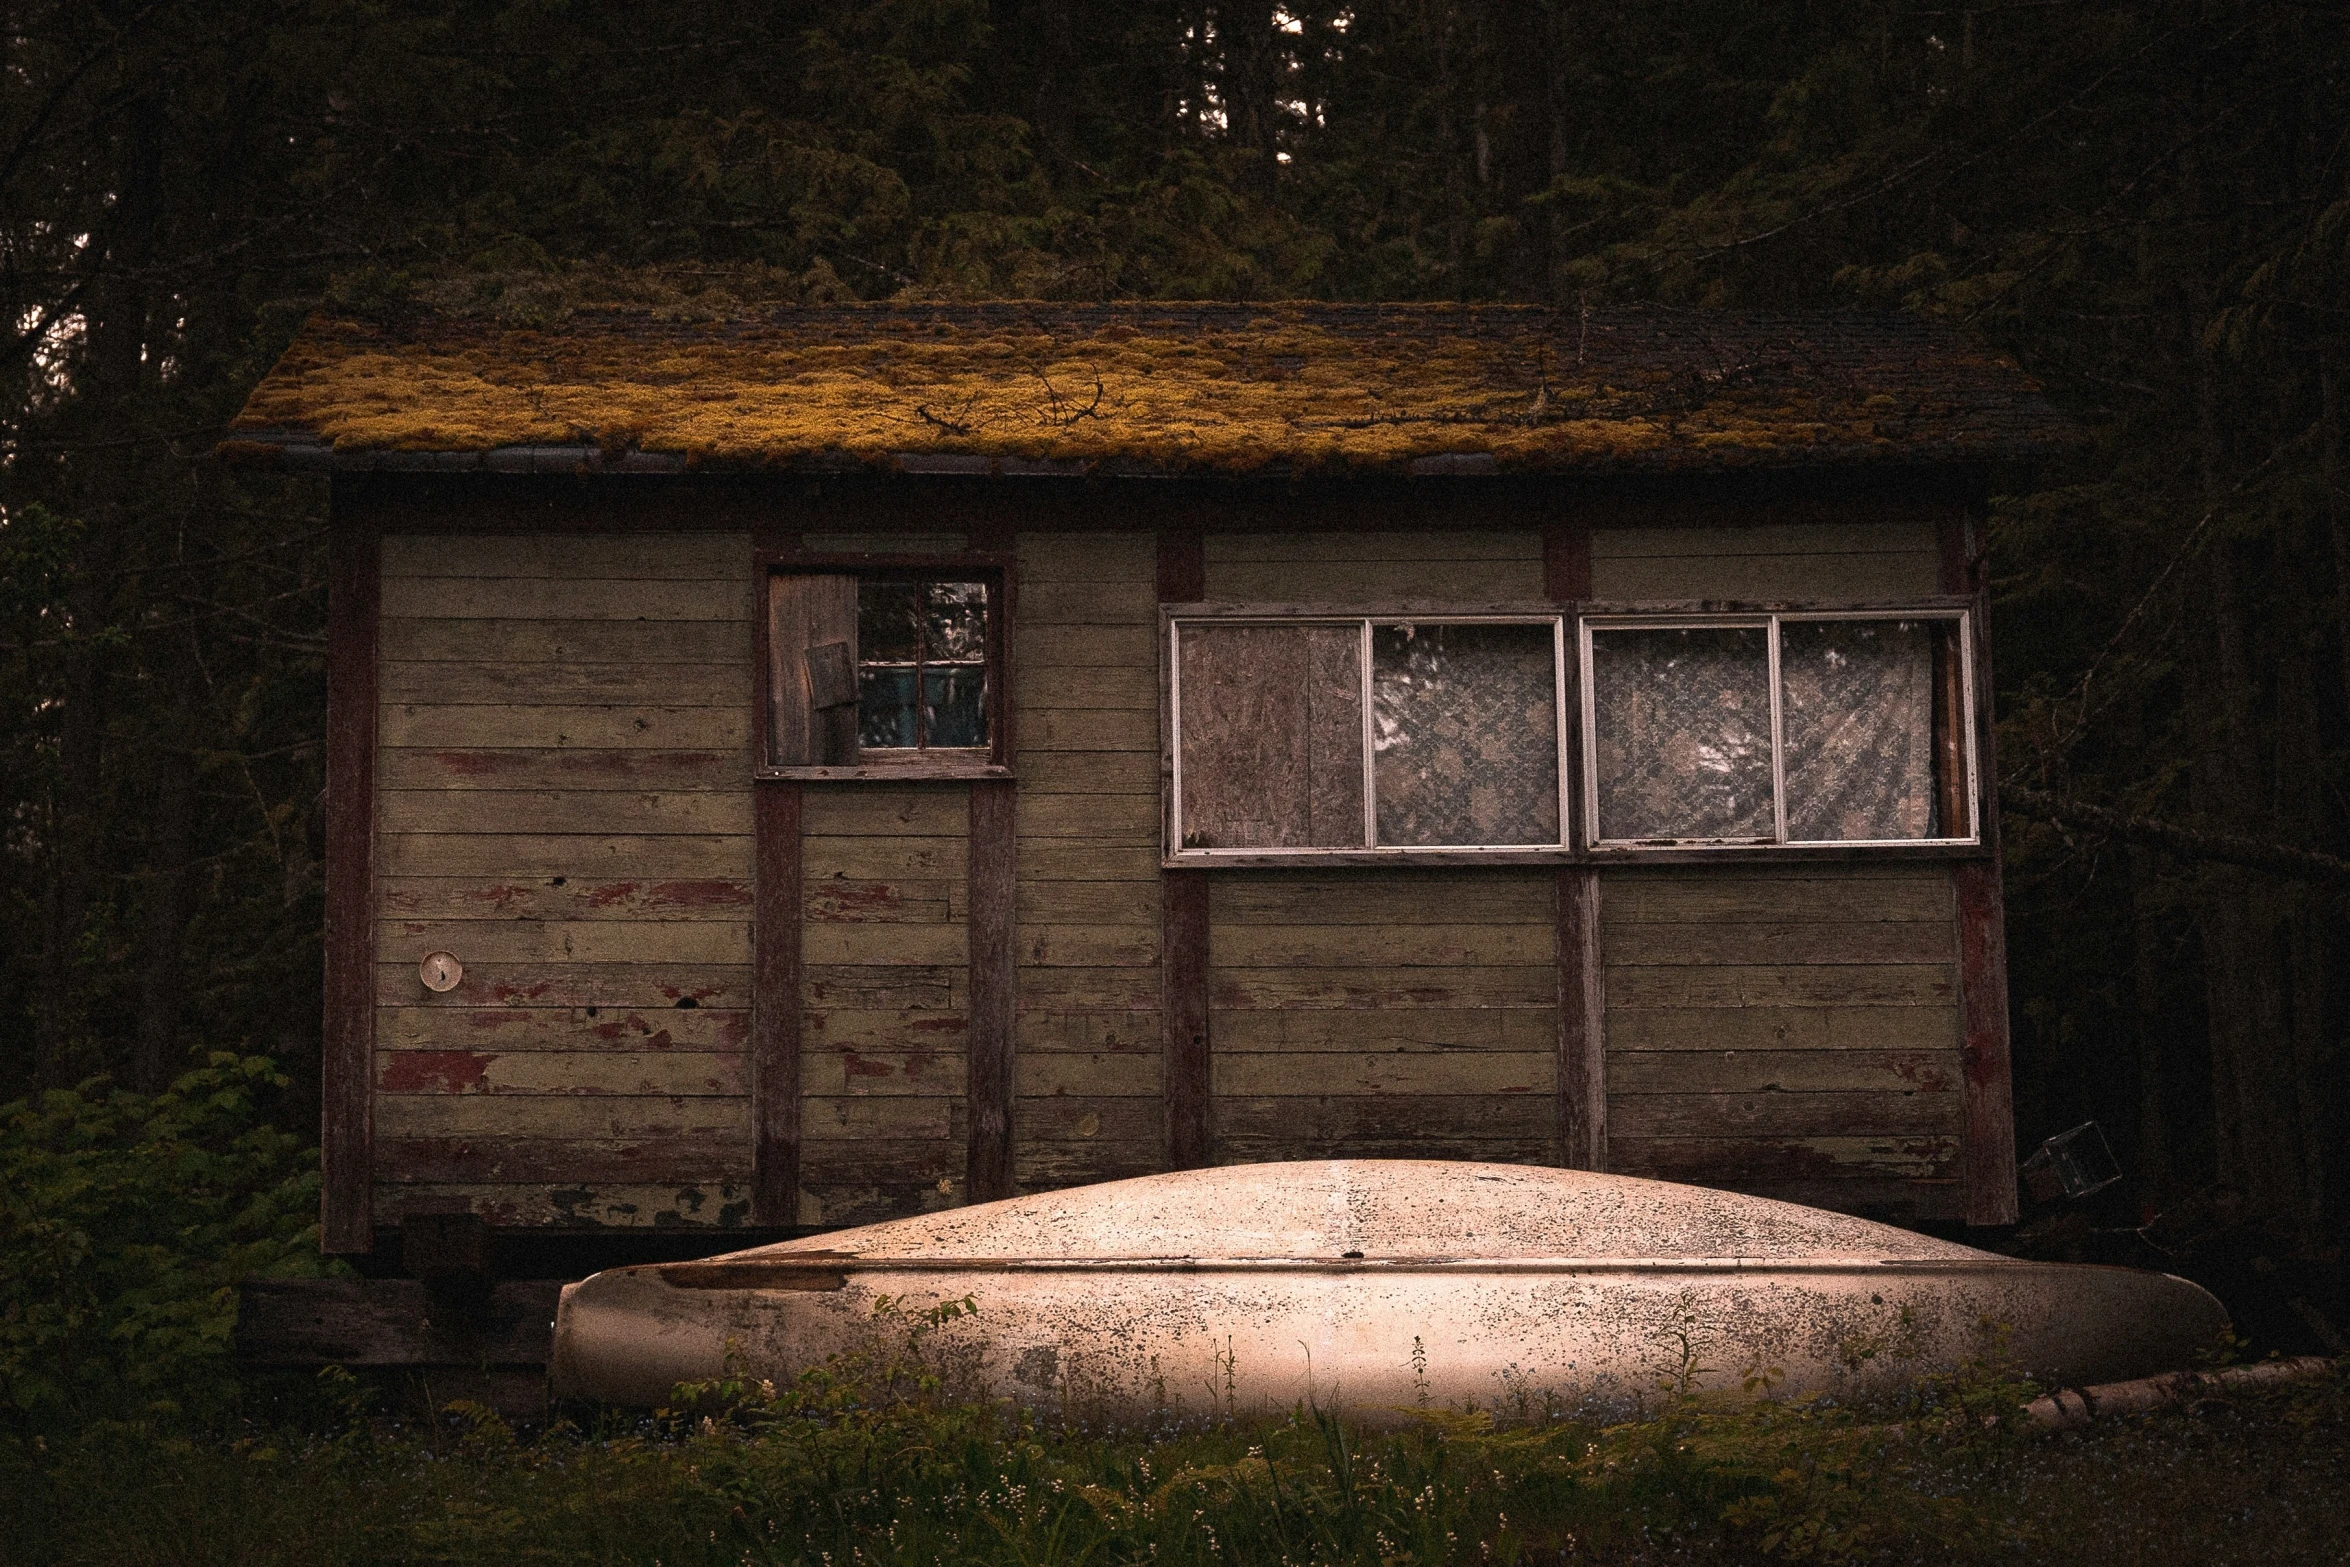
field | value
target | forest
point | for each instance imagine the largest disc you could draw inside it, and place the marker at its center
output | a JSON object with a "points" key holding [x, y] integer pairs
{"points": [[2144, 202]]}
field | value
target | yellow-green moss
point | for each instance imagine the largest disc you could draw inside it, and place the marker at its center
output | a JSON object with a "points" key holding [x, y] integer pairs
{"points": [[1300, 386]]}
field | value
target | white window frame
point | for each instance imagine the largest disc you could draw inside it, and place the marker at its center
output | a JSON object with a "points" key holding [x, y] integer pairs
{"points": [[1175, 620], [1770, 620]]}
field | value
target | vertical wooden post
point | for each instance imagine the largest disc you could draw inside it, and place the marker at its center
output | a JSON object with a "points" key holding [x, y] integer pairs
{"points": [[1582, 1040], [1987, 1170], [354, 601], [776, 809], [994, 997], [1183, 927]]}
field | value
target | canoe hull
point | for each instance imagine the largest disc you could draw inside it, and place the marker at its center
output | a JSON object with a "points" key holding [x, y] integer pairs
{"points": [[1108, 1337]]}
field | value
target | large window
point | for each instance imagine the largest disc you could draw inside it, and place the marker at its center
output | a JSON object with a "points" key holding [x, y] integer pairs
{"points": [[1378, 736], [1314, 737], [1777, 730], [885, 672]]}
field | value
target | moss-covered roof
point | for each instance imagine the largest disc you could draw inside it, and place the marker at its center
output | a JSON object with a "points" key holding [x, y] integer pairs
{"points": [[1153, 388]]}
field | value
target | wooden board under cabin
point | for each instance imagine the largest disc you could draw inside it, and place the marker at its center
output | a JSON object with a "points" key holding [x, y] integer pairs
{"points": [[564, 803]]}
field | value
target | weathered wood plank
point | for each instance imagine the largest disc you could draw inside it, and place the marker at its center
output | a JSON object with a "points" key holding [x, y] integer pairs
{"points": [[1045, 1167], [1853, 984], [1074, 647], [888, 810], [580, 1202], [573, 856], [873, 945], [1090, 773], [1128, 1033], [1069, 860], [354, 859], [1301, 1127], [837, 1073], [563, 941], [617, 728], [1902, 536], [1784, 1028], [1089, 989], [1582, 1022], [599, 1073], [1086, 557], [878, 857], [568, 685], [1132, 1121], [1371, 582], [1717, 1160], [876, 988], [1105, 818], [564, 1116], [935, 541], [1783, 1071], [660, 1155], [884, 1029], [909, 902], [632, 557], [1126, 602], [1063, 729], [1766, 578], [1424, 1073], [557, 642], [686, 986], [498, 1030], [1102, 1074], [1500, 896], [1449, 545], [575, 771], [1425, 1029], [778, 965], [539, 898], [834, 1117], [1849, 1114], [391, 1322], [1089, 946], [994, 987], [1490, 986], [1856, 941], [1085, 902], [1373, 946], [1130, 687], [521, 598], [560, 811], [1722, 894]]}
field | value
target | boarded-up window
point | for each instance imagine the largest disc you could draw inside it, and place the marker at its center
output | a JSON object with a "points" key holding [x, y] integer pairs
{"points": [[1798, 729], [1366, 736], [884, 670]]}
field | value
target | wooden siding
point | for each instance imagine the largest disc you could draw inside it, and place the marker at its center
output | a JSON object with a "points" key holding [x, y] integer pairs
{"points": [[563, 803], [1088, 1067], [1787, 1030], [1369, 569], [1768, 561], [884, 1116]]}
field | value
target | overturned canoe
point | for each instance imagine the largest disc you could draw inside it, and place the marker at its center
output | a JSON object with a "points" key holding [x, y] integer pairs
{"points": [[1372, 1286]]}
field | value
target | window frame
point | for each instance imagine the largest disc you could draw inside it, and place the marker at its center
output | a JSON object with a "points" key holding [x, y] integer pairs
{"points": [[1173, 617], [1966, 724], [944, 764]]}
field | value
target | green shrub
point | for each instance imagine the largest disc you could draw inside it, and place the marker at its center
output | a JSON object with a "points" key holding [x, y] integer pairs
{"points": [[126, 1221]]}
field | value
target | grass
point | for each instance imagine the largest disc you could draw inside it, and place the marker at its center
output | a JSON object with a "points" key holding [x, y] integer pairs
{"points": [[873, 1463]]}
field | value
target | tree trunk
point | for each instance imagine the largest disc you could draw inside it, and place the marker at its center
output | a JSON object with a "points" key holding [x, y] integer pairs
{"points": [[156, 1059]]}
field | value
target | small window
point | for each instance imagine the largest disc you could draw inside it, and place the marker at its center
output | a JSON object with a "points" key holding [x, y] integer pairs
{"points": [[1791, 730], [1381, 737], [885, 672]]}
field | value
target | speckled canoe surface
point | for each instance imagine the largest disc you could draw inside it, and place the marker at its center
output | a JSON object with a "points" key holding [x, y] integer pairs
{"points": [[1375, 1286]]}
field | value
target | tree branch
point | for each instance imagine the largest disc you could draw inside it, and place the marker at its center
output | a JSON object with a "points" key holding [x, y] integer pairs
{"points": [[2192, 843]]}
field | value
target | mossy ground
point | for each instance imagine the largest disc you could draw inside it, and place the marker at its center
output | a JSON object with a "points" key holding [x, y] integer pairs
{"points": [[832, 1472]]}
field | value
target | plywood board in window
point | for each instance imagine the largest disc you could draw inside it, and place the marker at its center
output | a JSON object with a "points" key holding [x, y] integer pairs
{"points": [[1272, 739]]}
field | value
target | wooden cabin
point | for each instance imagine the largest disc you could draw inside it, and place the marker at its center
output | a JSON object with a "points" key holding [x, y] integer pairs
{"points": [[827, 764]]}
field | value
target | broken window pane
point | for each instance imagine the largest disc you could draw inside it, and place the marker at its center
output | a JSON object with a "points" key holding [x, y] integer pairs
{"points": [[1464, 733], [1857, 711], [1683, 733], [921, 664], [1271, 734]]}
